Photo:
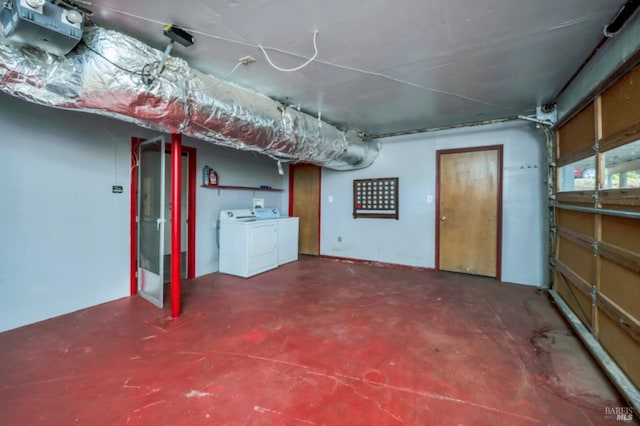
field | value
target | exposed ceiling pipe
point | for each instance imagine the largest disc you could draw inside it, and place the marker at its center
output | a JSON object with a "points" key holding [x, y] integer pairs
{"points": [[105, 75], [440, 128]]}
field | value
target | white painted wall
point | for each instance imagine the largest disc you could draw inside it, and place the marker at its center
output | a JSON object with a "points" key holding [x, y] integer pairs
{"points": [[64, 236], [64, 241], [411, 240]]}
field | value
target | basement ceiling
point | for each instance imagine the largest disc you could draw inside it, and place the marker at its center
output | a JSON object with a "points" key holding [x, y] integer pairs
{"points": [[382, 66]]}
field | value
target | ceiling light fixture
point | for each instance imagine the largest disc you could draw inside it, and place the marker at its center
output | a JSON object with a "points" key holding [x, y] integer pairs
{"points": [[175, 34]]}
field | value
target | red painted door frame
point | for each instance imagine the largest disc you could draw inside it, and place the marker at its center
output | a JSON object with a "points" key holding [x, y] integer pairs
{"points": [[191, 212], [498, 148], [292, 168]]}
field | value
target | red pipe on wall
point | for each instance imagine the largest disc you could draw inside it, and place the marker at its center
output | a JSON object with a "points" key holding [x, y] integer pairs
{"points": [[176, 186]]}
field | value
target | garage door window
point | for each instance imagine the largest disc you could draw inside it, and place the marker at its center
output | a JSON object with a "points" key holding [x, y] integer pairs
{"points": [[622, 167], [578, 176]]}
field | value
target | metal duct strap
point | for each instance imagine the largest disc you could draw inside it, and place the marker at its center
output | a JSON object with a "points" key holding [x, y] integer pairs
{"points": [[104, 75]]}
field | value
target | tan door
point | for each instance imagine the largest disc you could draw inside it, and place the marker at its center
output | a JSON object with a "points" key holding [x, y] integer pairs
{"points": [[469, 211], [306, 206]]}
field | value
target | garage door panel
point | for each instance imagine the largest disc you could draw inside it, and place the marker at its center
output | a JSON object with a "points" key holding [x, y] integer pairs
{"points": [[615, 230], [577, 135], [620, 199], [621, 346], [621, 104], [622, 286], [579, 259], [582, 223], [584, 301]]}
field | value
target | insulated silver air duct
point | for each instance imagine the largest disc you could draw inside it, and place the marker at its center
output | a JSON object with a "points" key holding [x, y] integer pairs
{"points": [[105, 75]]}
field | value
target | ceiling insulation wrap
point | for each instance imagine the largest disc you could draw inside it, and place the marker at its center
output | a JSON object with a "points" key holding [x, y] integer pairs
{"points": [[105, 74]]}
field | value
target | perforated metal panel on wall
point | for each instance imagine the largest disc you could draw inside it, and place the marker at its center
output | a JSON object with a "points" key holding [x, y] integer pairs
{"points": [[376, 198]]}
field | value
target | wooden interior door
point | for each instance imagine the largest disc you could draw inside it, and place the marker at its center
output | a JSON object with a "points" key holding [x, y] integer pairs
{"points": [[305, 194], [469, 211]]}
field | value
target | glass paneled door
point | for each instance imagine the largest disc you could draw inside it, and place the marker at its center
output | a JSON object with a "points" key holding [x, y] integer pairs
{"points": [[151, 220]]}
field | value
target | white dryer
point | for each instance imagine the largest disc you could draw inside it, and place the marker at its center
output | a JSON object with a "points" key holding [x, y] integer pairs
{"points": [[288, 230]]}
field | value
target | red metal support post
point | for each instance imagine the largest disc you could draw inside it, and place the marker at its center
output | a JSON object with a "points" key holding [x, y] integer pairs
{"points": [[176, 186]]}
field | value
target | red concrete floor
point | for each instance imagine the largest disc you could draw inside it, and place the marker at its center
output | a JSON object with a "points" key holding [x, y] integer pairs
{"points": [[313, 342]]}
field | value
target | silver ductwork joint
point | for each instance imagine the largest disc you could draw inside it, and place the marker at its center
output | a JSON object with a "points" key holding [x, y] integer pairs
{"points": [[105, 75]]}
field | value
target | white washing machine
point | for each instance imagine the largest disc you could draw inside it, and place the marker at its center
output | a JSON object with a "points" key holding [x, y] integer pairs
{"points": [[247, 246], [256, 240]]}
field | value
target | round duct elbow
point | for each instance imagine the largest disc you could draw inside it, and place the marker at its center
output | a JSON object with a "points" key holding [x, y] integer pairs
{"points": [[357, 155]]}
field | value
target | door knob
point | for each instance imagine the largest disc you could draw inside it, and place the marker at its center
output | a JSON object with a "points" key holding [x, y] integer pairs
{"points": [[443, 218]]}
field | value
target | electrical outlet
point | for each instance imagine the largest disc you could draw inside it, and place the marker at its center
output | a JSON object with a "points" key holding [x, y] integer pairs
{"points": [[258, 203]]}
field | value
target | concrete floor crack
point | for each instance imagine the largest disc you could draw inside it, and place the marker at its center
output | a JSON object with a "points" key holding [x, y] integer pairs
{"points": [[353, 388]]}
